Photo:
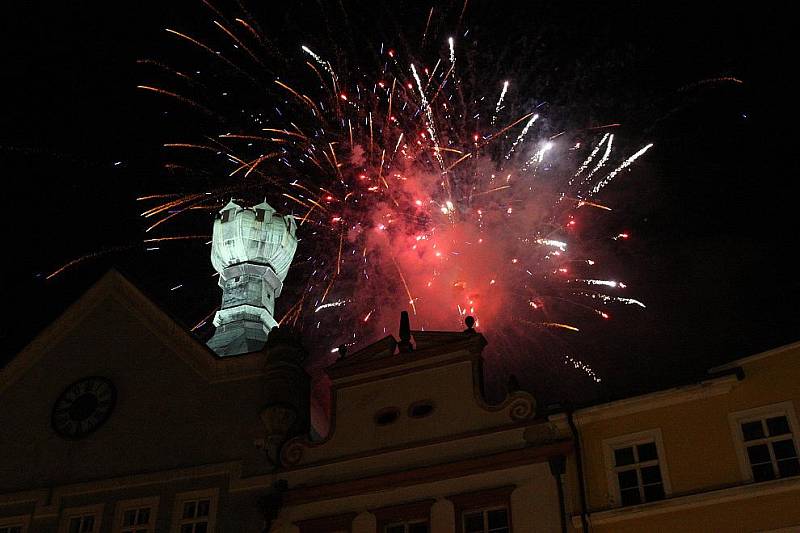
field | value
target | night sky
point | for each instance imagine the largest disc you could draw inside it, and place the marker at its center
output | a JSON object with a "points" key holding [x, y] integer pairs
{"points": [[712, 212]]}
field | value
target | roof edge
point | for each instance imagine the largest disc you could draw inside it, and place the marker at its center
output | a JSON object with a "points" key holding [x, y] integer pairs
{"points": [[755, 357]]}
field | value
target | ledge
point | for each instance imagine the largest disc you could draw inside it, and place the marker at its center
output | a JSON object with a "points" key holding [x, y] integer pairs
{"points": [[678, 504], [427, 474]]}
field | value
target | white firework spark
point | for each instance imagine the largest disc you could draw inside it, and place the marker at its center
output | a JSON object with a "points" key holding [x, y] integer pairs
{"points": [[625, 164], [500, 101]]}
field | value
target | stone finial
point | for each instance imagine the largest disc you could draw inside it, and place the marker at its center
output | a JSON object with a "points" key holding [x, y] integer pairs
{"points": [[405, 333], [470, 323]]}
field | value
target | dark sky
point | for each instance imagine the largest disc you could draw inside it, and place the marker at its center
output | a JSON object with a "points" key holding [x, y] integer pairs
{"points": [[713, 217]]}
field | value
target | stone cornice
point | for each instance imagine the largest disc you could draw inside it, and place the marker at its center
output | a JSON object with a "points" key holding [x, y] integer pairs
{"points": [[678, 504], [649, 402]]}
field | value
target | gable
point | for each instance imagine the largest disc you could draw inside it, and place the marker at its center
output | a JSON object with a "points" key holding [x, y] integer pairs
{"points": [[173, 396], [402, 400]]}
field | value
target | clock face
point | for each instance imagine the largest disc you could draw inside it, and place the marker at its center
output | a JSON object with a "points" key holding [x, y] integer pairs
{"points": [[83, 407]]}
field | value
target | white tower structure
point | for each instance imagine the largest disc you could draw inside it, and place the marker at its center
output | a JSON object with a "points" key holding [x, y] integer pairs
{"points": [[251, 249]]}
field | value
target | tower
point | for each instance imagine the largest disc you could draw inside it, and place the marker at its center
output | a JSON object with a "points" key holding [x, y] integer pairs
{"points": [[251, 250]]}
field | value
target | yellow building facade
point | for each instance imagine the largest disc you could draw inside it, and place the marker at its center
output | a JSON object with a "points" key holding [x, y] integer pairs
{"points": [[719, 455]]}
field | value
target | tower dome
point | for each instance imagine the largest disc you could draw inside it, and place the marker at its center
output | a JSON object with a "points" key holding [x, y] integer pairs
{"points": [[252, 249]]}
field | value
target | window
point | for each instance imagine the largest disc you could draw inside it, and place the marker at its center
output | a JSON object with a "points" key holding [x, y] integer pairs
{"points": [[638, 473], [81, 519], [486, 521], [635, 468], [80, 524], [767, 442], [136, 516], [407, 527], [413, 517], [487, 511], [195, 512], [14, 524]]}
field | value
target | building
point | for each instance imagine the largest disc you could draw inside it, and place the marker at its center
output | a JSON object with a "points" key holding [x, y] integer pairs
{"points": [[718, 455], [116, 419]]}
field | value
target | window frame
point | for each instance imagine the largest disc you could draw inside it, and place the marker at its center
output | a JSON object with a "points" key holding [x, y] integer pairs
{"points": [[406, 513], [483, 501], [628, 440], [68, 513], [484, 511], [737, 418], [181, 498], [325, 524], [128, 505], [405, 522], [23, 521]]}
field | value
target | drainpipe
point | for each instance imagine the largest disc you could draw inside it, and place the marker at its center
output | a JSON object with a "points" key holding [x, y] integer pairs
{"points": [[557, 468], [271, 504], [579, 462]]}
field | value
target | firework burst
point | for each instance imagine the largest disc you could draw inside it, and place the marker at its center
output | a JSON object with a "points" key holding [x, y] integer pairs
{"points": [[414, 186]]}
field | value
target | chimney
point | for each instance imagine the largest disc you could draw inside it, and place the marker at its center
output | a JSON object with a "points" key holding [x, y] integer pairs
{"points": [[405, 333], [252, 249]]}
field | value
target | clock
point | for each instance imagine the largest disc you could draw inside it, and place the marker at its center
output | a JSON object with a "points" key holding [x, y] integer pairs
{"points": [[83, 407]]}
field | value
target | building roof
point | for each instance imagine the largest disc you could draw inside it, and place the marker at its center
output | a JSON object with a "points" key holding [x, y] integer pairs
{"points": [[114, 286], [751, 358]]}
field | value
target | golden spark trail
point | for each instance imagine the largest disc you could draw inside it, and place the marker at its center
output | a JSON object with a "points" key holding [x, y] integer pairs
{"points": [[238, 42], [178, 238], [249, 28], [303, 221], [261, 159], [491, 190], [327, 290], [252, 138], [560, 326], [339, 259], [169, 205], [303, 98], [591, 204], [427, 25], [350, 127], [403, 279], [157, 196], [178, 97], [204, 319], [286, 132], [459, 160], [389, 111], [296, 200], [210, 51], [189, 145]]}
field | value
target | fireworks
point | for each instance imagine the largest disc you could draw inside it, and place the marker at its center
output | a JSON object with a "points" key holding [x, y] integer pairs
{"points": [[413, 184], [580, 365]]}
